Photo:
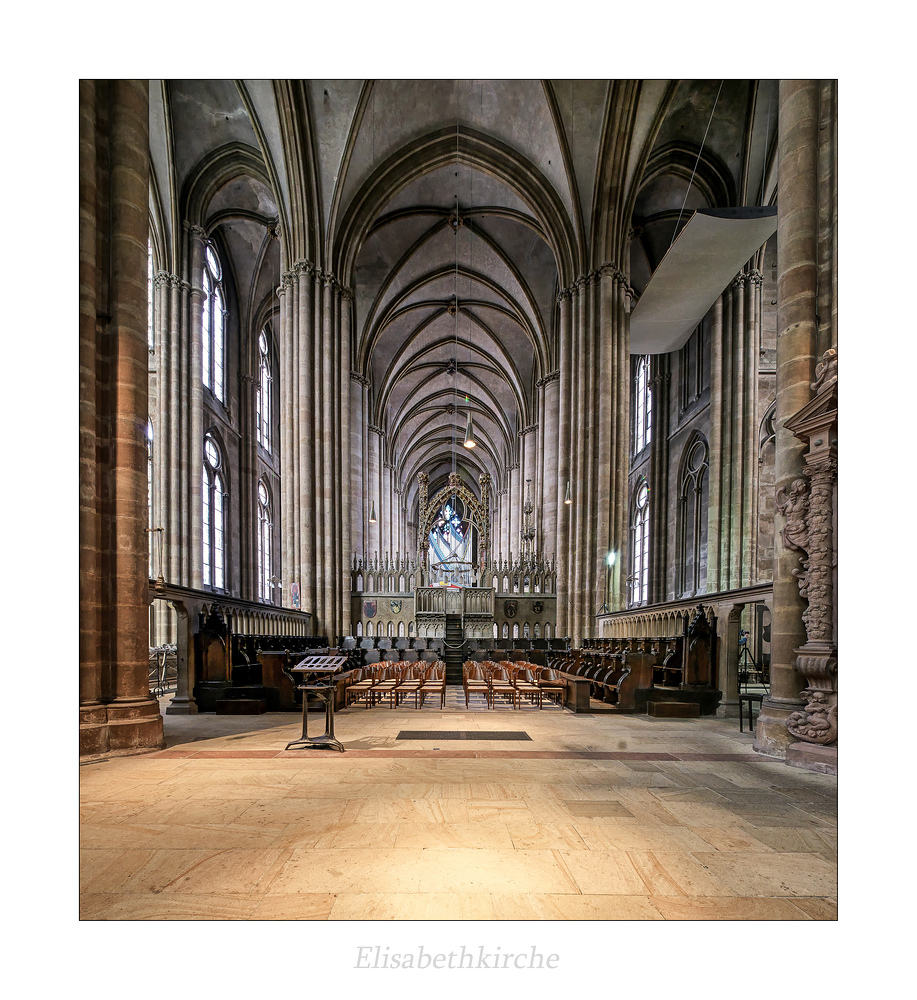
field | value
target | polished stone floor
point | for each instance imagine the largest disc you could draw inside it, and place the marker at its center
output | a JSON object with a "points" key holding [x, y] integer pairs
{"points": [[595, 817]]}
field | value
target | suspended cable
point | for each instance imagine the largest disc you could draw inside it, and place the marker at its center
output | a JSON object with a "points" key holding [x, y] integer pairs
{"points": [[694, 171]]}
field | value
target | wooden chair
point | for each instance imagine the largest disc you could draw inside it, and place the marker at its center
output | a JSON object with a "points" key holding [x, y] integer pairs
{"points": [[551, 684], [500, 684], [475, 682], [434, 683], [526, 686], [388, 681], [362, 687], [411, 680]]}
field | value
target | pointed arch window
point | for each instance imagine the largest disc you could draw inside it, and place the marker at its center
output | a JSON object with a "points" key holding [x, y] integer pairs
{"points": [[149, 486], [213, 327], [149, 297], [643, 405], [265, 540], [691, 526], [263, 395], [214, 527], [639, 577]]}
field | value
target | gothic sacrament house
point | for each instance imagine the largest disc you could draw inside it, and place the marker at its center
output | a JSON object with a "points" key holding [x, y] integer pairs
{"points": [[460, 366]]}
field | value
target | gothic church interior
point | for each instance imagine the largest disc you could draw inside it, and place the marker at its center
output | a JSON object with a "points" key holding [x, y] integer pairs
{"points": [[350, 347]]}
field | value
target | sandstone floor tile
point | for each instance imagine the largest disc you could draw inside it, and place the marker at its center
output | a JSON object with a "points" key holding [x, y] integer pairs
{"points": [[536, 836], [166, 906], [338, 870], [134, 871], [319, 812], [790, 840], [413, 906], [210, 811], [504, 811], [587, 808], [568, 906], [295, 906], [668, 873], [728, 908], [238, 870], [730, 838], [508, 871], [477, 834], [358, 836], [229, 790], [619, 835], [603, 873], [108, 836], [211, 837], [772, 874], [818, 907]]}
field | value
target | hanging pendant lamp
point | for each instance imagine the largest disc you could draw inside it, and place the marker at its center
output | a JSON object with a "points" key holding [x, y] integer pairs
{"points": [[568, 497], [469, 433], [372, 513]]}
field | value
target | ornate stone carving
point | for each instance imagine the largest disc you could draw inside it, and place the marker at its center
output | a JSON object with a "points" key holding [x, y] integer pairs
{"points": [[817, 722], [825, 372], [550, 377], [161, 278], [809, 508]]}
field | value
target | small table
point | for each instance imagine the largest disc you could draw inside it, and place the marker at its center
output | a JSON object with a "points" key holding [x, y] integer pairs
{"points": [[751, 699], [318, 676]]}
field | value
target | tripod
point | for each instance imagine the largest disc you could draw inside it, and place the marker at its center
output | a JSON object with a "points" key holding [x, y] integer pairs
{"points": [[747, 666]]}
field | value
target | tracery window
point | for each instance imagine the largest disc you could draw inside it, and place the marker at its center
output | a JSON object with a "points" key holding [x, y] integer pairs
{"points": [[639, 577], [213, 330], [263, 395], [149, 486], [265, 538], [149, 296], [691, 524], [214, 528], [643, 405]]}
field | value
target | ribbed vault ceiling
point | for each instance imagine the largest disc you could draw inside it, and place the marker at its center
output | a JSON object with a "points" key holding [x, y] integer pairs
{"points": [[451, 313]]}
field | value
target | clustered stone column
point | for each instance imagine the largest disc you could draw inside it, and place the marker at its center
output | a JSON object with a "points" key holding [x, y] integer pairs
{"points": [[594, 430], [315, 442], [117, 713], [797, 283], [732, 505]]}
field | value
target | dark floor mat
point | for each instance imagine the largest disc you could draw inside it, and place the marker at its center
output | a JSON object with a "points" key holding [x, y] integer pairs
{"points": [[462, 734]]}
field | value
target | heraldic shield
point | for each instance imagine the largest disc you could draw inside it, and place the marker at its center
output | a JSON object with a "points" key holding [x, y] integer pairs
{"points": [[396, 607], [369, 609], [509, 609], [538, 607]]}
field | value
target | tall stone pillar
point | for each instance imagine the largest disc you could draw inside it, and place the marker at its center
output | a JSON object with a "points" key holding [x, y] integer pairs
{"points": [[548, 431], [359, 502], [117, 713], [564, 472], [195, 442], [797, 248]]}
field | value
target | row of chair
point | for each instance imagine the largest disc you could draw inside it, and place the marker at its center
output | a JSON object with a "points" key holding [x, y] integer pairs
{"points": [[513, 681], [396, 682]]}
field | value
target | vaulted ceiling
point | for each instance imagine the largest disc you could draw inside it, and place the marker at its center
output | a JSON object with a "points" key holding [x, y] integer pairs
{"points": [[455, 210]]}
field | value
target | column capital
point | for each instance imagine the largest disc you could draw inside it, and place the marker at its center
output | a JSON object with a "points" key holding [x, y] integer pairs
{"points": [[197, 231], [302, 266], [550, 377], [375, 430], [527, 430], [359, 379], [609, 269], [161, 278]]}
